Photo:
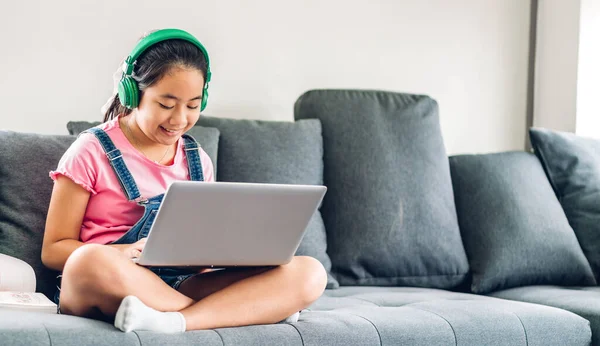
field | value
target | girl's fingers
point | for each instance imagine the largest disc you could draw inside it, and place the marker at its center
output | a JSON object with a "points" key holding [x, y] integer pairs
{"points": [[139, 245]]}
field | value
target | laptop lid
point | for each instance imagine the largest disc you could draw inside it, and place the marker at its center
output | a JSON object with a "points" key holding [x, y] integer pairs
{"points": [[230, 224]]}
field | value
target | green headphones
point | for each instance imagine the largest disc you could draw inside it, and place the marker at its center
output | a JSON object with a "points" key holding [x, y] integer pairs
{"points": [[128, 91]]}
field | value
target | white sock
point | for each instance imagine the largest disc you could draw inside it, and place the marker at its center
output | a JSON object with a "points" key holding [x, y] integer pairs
{"points": [[292, 318], [135, 315]]}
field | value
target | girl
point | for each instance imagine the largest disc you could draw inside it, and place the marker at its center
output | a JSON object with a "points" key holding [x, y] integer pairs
{"points": [[111, 179]]}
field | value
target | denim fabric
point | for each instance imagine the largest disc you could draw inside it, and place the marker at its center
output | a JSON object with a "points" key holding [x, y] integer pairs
{"points": [[115, 158]]}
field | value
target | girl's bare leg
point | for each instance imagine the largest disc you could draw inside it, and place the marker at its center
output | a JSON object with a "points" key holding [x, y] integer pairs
{"points": [[266, 297], [97, 277]]}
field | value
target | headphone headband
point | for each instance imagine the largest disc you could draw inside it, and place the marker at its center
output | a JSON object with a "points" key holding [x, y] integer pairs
{"points": [[159, 36]]}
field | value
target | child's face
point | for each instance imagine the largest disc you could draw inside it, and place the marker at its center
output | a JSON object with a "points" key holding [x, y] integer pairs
{"points": [[171, 106]]}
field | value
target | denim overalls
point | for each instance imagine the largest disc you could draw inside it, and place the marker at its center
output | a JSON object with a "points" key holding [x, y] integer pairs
{"points": [[173, 277]]}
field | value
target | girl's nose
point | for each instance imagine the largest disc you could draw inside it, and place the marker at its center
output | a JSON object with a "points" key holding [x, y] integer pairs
{"points": [[179, 117]]}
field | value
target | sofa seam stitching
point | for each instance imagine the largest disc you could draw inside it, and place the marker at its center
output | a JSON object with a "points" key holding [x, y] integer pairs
{"points": [[524, 330], [442, 317], [399, 276], [47, 333], [220, 337], [300, 334], [374, 326], [364, 300], [138, 337]]}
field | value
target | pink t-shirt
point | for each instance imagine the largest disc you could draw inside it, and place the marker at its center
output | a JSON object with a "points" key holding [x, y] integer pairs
{"points": [[109, 214]]}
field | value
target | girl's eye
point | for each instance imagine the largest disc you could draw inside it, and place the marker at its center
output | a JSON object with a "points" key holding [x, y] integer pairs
{"points": [[164, 107], [196, 107]]}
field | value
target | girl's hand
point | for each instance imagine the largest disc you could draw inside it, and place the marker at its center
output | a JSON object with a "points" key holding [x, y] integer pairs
{"points": [[132, 250]]}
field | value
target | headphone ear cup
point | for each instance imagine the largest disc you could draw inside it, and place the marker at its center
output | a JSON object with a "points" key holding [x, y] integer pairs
{"points": [[122, 93], [135, 94], [204, 99], [128, 92]]}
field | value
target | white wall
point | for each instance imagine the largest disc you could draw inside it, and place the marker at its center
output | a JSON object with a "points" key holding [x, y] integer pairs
{"points": [[555, 84], [58, 58]]}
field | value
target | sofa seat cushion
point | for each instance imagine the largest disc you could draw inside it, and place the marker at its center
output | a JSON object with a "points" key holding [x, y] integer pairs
{"points": [[584, 301], [419, 316], [345, 316], [33, 328]]}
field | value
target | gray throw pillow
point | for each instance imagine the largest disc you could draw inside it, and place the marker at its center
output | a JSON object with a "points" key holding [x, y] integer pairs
{"points": [[513, 228], [276, 152], [572, 163], [208, 138], [389, 210], [25, 189]]}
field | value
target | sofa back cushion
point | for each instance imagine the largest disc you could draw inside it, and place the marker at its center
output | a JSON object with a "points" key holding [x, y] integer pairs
{"points": [[275, 152], [25, 189], [572, 163], [512, 225], [389, 210]]}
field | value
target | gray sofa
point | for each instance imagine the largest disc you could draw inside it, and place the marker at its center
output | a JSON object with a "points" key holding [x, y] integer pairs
{"points": [[421, 249]]}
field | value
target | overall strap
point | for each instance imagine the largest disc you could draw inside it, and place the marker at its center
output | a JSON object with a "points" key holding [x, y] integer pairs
{"points": [[193, 158], [118, 164]]}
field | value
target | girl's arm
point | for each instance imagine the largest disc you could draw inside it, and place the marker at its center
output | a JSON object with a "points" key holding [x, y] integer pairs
{"points": [[63, 224]]}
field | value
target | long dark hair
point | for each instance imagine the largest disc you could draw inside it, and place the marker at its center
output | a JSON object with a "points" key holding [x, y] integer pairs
{"points": [[155, 62]]}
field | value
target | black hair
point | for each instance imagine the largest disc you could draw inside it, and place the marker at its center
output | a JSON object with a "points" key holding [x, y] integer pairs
{"points": [[155, 62]]}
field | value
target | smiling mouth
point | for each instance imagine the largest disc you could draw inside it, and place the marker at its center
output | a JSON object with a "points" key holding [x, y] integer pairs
{"points": [[171, 131]]}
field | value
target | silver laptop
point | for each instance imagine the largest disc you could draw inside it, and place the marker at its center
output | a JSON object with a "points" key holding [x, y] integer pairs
{"points": [[217, 224]]}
